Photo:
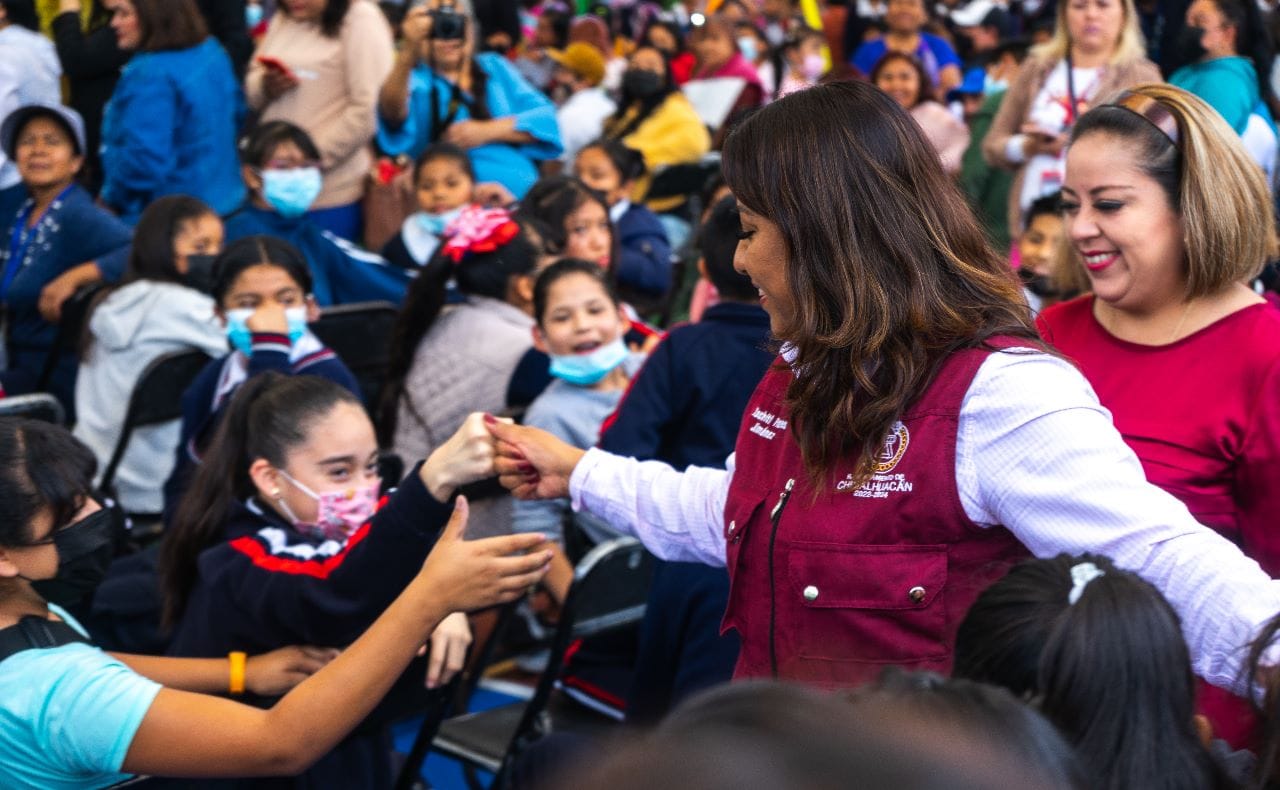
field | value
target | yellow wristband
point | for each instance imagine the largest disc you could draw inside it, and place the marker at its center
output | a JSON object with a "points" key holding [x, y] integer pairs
{"points": [[238, 661]]}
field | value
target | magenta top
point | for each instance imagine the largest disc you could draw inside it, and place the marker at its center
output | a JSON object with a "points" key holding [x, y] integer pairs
{"points": [[1202, 413]]}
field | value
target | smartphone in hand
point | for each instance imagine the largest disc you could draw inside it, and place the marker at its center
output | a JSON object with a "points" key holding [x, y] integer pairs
{"points": [[275, 64]]}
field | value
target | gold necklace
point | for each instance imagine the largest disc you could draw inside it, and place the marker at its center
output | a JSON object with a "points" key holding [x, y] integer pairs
{"points": [[1185, 311]]}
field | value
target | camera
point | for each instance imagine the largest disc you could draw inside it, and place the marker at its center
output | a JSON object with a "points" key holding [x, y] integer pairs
{"points": [[447, 23]]}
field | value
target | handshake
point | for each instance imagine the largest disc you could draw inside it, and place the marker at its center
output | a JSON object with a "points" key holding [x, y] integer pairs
{"points": [[530, 463]]}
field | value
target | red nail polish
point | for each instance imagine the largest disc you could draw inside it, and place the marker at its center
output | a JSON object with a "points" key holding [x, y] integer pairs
{"points": [[490, 419]]}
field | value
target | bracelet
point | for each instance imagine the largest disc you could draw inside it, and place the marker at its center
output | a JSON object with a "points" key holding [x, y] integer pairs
{"points": [[238, 661]]}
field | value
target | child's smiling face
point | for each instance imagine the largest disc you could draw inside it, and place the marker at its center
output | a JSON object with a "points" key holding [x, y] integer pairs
{"points": [[579, 316]]}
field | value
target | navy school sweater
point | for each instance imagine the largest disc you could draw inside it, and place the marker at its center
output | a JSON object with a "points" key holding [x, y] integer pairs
{"points": [[268, 585]]}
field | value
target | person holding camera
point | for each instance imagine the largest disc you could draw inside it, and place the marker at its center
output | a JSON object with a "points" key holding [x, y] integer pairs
{"points": [[442, 90], [320, 67]]}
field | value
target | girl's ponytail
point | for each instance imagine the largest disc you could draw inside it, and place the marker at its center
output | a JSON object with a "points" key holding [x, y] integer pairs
{"points": [[201, 517]]}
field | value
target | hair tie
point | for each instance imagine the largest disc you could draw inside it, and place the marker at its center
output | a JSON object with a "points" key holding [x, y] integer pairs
{"points": [[1081, 575], [478, 230], [1151, 111]]}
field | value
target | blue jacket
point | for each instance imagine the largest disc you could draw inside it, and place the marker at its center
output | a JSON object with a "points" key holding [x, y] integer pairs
{"points": [[644, 261], [341, 273], [203, 405], [507, 94], [170, 128], [73, 231], [685, 405]]}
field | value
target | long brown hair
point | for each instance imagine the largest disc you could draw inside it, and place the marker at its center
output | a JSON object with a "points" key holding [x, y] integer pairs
{"points": [[888, 269]]}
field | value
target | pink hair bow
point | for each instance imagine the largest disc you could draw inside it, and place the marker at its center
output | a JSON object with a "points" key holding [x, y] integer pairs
{"points": [[478, 230]]}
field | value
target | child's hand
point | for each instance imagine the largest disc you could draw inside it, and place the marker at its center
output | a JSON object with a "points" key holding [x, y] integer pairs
{"points": [[268, 317], [491, 194], [447, 650], [276, 673], [474, 574], [465, 458]]}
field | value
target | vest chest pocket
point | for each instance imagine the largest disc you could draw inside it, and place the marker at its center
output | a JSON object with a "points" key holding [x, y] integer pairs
{"points": [[864, 603]]}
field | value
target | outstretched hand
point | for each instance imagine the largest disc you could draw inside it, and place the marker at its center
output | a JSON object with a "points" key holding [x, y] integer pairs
{"points": [[274, 674], [533, 464], [473, 574]]}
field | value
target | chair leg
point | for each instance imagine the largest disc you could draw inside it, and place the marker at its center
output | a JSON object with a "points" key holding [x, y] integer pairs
{"points": [[436, 712]]}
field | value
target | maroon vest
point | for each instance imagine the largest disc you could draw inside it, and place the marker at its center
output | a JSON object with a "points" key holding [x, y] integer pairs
{"points": [[831, 589]]}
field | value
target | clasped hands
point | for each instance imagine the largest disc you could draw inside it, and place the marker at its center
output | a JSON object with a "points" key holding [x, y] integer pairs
{"points": [[530, 463]]}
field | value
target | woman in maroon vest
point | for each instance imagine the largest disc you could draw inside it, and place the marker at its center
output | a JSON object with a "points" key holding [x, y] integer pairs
{"points": [[914, 436]]}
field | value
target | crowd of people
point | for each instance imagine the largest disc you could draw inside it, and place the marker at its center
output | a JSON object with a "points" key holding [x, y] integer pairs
{"points": [[874, 322]]}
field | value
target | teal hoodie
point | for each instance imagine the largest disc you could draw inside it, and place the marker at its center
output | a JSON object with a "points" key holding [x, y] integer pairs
{"points": [[1229, 85]]}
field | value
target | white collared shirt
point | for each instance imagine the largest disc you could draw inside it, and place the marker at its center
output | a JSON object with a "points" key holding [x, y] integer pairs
{"points": [[1035, 452]]}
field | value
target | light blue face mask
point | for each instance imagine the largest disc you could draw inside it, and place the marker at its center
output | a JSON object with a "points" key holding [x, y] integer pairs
{"points": [[291, 192], [587, 369], [749, 47], [436, 223], [242, 338]]}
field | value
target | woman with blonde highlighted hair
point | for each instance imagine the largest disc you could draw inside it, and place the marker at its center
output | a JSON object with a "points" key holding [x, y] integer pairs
{"points": [[1171, 218], [1097, 48]]}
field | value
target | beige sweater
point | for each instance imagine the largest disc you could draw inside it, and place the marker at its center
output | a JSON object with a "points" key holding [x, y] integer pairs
{"points": [[1014, 110], [336, 99]]}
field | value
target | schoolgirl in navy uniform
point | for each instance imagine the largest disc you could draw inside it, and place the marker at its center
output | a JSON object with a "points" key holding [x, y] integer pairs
{"points": [[282, 534], [912, 439]]}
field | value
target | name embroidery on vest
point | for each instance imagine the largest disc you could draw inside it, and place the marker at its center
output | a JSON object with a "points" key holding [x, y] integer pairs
{"points": [[767, 424]]}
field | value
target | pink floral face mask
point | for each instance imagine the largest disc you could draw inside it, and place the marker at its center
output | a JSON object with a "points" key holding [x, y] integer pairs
{"points": [[339, 513]]}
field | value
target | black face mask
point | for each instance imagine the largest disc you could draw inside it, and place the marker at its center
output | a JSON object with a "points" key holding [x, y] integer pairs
{"points": [[1187, 47], [85, 549], [200, 272], [640, 83]]}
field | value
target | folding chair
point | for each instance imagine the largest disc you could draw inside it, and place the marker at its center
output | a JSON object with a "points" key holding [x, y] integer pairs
{"points": [[36, 406], [685, 180], [156, 398], [360, 334], [609, 591], [70, 329]]}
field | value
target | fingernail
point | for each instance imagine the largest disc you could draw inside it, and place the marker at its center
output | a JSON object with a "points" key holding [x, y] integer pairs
{"points": [[489, 418]]}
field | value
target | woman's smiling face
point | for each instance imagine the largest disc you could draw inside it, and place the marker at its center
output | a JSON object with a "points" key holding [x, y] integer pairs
{"points": [[1120, 221], [762, 256]]}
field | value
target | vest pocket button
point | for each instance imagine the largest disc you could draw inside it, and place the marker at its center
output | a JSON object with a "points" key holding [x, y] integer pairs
{"points": [[916, 594], [811, 593]]}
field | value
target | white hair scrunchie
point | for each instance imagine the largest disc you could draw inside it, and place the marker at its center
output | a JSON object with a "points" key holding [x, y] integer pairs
{"points": [[1081, 575]]}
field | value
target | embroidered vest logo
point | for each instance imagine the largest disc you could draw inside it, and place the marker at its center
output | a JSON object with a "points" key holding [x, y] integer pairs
{"points": [[895, 446], [882, 483]]}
